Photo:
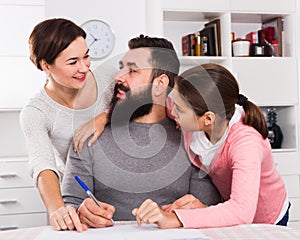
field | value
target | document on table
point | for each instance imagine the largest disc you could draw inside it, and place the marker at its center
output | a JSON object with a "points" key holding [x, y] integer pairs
{"points": [[253, 232], [122, 231]]}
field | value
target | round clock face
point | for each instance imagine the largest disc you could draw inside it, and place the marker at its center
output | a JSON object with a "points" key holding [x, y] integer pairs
{"points": [[99, 38]]}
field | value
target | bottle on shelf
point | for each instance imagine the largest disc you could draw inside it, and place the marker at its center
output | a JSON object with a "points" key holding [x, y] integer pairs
{"points": [[203, 46], [275, 134], [275, 48], [198, 44]]}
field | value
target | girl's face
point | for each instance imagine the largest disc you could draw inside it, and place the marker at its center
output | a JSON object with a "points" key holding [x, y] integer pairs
{"points": [[71, 66], [184, 114]]}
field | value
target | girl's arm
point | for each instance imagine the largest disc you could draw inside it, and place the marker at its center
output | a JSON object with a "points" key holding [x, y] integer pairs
{"points": [[241, 203]]}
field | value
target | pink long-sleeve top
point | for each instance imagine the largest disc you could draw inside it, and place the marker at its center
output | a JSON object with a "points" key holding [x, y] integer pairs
{"points": [[244, 173]]}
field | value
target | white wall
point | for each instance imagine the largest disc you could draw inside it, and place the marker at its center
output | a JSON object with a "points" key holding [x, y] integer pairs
{"points": [[297, 46], [127, 18], [18, 75]]}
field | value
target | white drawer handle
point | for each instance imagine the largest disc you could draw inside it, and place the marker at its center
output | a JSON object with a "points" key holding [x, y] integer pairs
{"points": [[8, 201], [3, 228], [7, 175]]}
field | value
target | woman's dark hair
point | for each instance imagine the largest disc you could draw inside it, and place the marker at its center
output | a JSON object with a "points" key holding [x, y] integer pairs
{"points": [[211, 87], [50, 37], [164, 58]]}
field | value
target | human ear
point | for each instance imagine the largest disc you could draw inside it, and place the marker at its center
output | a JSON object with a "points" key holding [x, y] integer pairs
{"points": [[160, 84], [209, 118], [45, 66]]}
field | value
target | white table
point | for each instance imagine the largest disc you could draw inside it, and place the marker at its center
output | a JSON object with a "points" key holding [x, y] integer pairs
{"points": [[129, 231]]}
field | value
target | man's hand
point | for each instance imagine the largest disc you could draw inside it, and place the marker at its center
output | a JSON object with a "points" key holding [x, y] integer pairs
{"points": [[94, 216]]}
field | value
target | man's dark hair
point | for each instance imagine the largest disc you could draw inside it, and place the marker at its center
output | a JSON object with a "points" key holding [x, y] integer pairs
{"points": [[164, 59]]}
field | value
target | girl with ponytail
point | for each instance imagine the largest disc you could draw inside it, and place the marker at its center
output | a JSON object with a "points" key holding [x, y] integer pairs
{"points": [[225, 135]]}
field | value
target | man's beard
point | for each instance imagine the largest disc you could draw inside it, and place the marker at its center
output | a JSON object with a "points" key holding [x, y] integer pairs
{"points": [[132, 107]]}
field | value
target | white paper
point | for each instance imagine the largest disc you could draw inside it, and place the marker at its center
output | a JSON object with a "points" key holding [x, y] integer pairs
{"points": [[122, 231]]}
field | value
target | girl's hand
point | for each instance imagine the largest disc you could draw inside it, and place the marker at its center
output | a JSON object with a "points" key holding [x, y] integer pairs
{"points": [[66, 218], [188, 201], [93, 127], [149, 212]]}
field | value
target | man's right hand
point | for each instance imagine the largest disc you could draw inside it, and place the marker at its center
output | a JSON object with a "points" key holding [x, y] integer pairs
{"points": [[94, 216]]}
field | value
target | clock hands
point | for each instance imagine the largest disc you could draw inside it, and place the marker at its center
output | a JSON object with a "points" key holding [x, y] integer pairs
{"points": [[100, 38], [91, 43], [94, 40]]}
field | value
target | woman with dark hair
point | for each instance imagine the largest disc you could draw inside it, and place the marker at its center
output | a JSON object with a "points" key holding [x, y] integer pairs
{"points": [[70, 97], [226, 136]]}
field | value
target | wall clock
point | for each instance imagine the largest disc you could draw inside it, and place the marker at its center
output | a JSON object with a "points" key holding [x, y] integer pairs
{"points": [[99, 38]]}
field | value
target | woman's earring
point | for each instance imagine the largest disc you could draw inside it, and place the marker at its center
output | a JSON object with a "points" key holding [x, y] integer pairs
{"points": [[206, 123]]}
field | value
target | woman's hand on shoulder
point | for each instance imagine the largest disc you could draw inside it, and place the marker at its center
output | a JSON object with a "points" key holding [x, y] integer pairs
{"points": [[66, 218], [93, 127]]}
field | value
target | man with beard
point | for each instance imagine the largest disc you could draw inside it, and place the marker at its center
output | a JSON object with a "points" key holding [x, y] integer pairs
{"points": [[140, 153]]}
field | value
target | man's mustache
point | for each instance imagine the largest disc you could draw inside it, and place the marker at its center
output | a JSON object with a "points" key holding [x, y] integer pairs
{"points": [[120, 86]]}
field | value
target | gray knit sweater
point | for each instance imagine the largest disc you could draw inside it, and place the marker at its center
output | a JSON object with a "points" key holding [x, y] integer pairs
{"points": [[127, 166]]}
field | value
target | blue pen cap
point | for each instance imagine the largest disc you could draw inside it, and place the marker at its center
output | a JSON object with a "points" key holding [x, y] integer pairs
{"points": [[81, 183]]}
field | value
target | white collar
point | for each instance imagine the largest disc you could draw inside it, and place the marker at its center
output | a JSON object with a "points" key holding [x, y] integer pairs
{"points": [[201, 146]]}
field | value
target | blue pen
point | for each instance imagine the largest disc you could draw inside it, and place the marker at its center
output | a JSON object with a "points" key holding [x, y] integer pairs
{"points": [[89, 193]]}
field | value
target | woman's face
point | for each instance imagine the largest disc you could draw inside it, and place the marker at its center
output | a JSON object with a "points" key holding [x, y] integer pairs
{"points": [[184, 114], [71, 66]]}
